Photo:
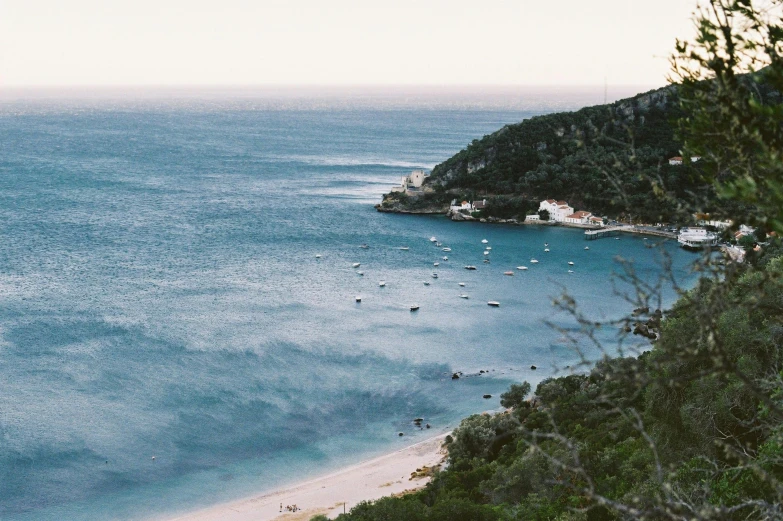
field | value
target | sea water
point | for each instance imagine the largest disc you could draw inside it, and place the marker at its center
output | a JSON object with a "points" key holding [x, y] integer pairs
{"points": [[170, 337]]}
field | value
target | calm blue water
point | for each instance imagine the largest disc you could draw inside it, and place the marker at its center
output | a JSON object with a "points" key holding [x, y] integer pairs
{"points": [[160, 296]]}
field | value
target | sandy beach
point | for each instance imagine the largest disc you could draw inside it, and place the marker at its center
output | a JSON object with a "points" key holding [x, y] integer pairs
{"points": [[372, 479]]}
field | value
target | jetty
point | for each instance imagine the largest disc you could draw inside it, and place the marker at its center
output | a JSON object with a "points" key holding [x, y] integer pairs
{"points": [[600, 233], [613, 231]]}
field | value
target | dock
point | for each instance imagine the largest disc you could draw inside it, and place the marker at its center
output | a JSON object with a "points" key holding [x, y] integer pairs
{"points": [[613, 231]]}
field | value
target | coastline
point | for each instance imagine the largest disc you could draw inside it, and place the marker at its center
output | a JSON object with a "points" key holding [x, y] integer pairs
{"points": [[390, 474]]}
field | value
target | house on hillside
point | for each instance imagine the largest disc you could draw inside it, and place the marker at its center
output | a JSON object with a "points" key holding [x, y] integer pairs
{"points": [[480, 205], [558, 210], [677, 160]]}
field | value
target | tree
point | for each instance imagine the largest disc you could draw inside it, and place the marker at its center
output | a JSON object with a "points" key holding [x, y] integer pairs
{"points": [[543, 215], [515, 396]]}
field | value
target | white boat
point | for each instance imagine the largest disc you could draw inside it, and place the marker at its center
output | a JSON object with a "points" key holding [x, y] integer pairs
{"points": [[510, 273], [438, 244], [533, 261], [617, 238], [489, 248], [463, 296], [426, 283], [546, 244], [570, 263], [317, 255], [445, 258], [447, 249], [546, 250], [433, 239], [436, 263], [360, 273], [521, 267], [357, 264], [434, 275], [404, 248], [570, 271], [462, 284], [364, 246], [382, 283], [587, 247], [358, 299], [486, 253], [414, 307], [493, 303], [486, 260], [470, 267], [484, 241]]}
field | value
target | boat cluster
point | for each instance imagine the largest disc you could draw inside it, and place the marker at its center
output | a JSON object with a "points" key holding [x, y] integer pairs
{"points": [[486, 253]]}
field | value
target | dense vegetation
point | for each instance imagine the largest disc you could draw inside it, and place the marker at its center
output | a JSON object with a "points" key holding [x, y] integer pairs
{"points": [[691, 429]]}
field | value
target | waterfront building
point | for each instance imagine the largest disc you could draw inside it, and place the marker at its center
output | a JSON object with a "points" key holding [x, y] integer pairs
{"points": [[696, 238]]}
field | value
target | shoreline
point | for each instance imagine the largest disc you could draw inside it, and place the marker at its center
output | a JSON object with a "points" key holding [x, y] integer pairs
{"points": [[631, 229], [387, 475]]}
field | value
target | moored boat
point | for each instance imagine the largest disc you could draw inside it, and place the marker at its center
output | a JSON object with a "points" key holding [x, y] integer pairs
{"points": [[521, 267], [414, 307], [493, 303], [470, 267], [510, 273]]}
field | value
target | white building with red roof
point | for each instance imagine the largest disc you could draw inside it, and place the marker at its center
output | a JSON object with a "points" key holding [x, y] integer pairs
{"points": [[558, 210]]}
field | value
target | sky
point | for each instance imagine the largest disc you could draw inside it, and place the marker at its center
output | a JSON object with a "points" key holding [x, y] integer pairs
{"points": [[339, 42]]}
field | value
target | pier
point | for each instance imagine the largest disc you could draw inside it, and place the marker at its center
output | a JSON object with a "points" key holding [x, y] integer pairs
{"points": [[609, 231], [612, 231]]}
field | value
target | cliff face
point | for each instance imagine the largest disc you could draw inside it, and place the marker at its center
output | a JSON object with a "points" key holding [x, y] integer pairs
{"points": [[424, 203]]}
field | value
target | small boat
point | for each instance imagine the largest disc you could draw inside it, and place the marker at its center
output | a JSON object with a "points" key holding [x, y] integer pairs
{"points": [[470, 267], [357, 264], [445, 258], [433, 239], [493, 303], [486, 261], [587, 247], [521, 267], [447, 249], [489, 248], [317, 255], [462, 284], [546, 250], [358, 299], [438, 244], [570, 271], [511, 273], [414, 307], [364, 246], [617, 238], [546, 244], [570, 263], [463, 296], [486, 253], [436, 263], [484, 241], [360, 273], [533, 261], [382, 283], [404, 248], [434, 275], [426, 283]]}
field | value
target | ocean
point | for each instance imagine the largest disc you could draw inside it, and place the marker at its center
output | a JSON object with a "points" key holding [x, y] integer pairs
{"points": [[169, 339]]}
